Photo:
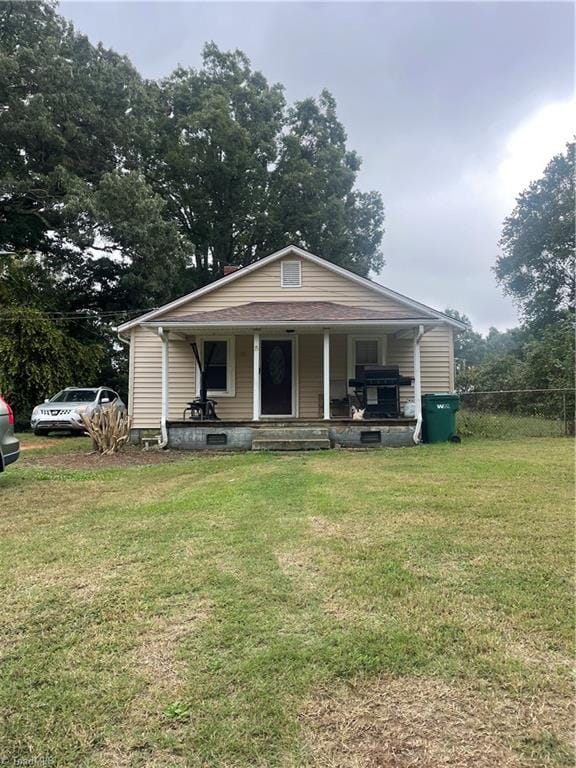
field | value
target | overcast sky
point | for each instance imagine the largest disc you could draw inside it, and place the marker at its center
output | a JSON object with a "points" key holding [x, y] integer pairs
{"points": [[454, 108]]}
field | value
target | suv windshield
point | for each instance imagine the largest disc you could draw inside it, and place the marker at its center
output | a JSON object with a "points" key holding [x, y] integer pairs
{"points": [[75, 396]]}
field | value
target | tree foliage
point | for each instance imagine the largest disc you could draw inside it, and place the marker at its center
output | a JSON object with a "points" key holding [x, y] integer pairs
{"points": [[119, 194], [536, 267], [70, 116], [469, 345], [519, 358], [138, 190], [39, 358], [242, 175], [315, 203], [214, 139], [537, 263]]}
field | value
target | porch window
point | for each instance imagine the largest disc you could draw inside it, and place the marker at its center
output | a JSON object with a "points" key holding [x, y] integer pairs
{"points": [[218, 357], [365, 350], [216, 353]]}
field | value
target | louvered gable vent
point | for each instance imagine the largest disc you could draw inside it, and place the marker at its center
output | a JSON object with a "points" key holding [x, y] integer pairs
{"points": [[291, 274]]}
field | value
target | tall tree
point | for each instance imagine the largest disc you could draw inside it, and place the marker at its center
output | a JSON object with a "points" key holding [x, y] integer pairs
{"points": [[242, 177], [216, 138], [70, 114], [537, 263], [314, 203]]}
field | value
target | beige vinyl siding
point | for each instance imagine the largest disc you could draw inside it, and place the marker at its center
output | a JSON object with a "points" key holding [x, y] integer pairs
{"points": [[436, 360], [131, 353], [400, 352], [310, 363], [183, 380], [310, 348], [338, 355], [240, 406], [146, 379], [318, 284]]}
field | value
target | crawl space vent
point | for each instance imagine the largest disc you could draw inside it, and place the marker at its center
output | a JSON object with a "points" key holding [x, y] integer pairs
{"points": [[371, 437], [216, 439]]}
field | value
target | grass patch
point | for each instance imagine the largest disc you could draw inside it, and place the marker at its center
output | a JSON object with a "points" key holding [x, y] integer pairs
{"points": [[394, 607], [53, 445], [506, 426]]}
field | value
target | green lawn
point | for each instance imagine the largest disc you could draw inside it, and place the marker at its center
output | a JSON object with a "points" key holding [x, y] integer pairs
{"points": [[503, 426], [393, 608]]}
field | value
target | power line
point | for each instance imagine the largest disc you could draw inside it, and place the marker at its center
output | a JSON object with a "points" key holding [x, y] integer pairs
{"points": [[79, 314]]}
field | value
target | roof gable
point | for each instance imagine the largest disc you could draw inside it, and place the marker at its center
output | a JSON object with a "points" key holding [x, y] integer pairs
{"points": [[234, 289]]}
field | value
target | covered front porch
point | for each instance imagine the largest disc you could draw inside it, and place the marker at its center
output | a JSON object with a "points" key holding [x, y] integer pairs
{"points": [[288, 381]]}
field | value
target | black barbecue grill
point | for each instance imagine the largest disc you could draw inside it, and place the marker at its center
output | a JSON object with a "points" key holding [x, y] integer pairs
{"points": [[377, 390]]}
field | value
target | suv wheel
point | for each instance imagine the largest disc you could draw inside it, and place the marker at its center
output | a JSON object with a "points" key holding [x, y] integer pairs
{"points": [[40, 432]]}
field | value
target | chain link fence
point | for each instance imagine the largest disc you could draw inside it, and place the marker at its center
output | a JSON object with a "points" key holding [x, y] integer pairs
{"points": [[517, 413]]}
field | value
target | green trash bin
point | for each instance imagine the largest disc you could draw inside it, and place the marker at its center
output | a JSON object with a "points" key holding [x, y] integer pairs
{"points": [[439, 417]]}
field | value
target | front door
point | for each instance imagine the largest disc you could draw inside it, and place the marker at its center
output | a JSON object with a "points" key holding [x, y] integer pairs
{"points": [[276, 377]]}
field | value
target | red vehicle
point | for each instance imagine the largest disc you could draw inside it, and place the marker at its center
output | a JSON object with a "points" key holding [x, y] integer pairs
{"points": [[9, 444]]}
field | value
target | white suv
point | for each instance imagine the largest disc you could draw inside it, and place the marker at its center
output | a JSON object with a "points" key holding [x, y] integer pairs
{"points": [[62, 413]]}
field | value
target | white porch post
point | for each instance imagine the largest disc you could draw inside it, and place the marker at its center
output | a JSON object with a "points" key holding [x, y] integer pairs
{"points": [[418, 333], [165, 379], [326, 369], [256, 378]]}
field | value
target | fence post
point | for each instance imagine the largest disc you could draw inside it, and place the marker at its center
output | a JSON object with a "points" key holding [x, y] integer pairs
{"points": [[565, 414]]}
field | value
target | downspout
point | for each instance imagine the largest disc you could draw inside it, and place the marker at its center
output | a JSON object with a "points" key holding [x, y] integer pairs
{"points": [[417, 385], [130, 393], [164, 417]]}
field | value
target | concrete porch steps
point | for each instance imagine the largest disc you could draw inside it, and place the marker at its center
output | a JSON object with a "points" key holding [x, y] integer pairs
{"points": [[291, 439]]}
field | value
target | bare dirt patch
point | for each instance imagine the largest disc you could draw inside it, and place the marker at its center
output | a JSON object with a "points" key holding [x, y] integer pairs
{"points": [[32, 446], [298, 564], [156, 658], [132, 457], [120, 756], [324, 527], [426, 723]]}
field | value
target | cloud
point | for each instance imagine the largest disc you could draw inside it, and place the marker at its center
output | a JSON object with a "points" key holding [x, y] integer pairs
{"points": [[533, 144]]}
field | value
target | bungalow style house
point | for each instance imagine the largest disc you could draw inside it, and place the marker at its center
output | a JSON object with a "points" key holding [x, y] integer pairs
{"points": [[294, 352]]}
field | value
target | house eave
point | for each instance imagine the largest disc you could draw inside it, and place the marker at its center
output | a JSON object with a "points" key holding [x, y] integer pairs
{"points": [[176, 325]]}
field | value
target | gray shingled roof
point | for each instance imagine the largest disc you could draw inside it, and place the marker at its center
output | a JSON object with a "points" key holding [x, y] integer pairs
{"points": [[293, 311]]}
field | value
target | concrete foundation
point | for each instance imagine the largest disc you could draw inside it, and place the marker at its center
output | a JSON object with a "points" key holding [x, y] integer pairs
{"points": [[246, 436], [136, 436]]}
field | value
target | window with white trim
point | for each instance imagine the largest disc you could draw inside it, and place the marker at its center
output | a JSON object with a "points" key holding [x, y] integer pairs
{"points": [[291, 274], [218, 359], [365, 350], [215, 360]]}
